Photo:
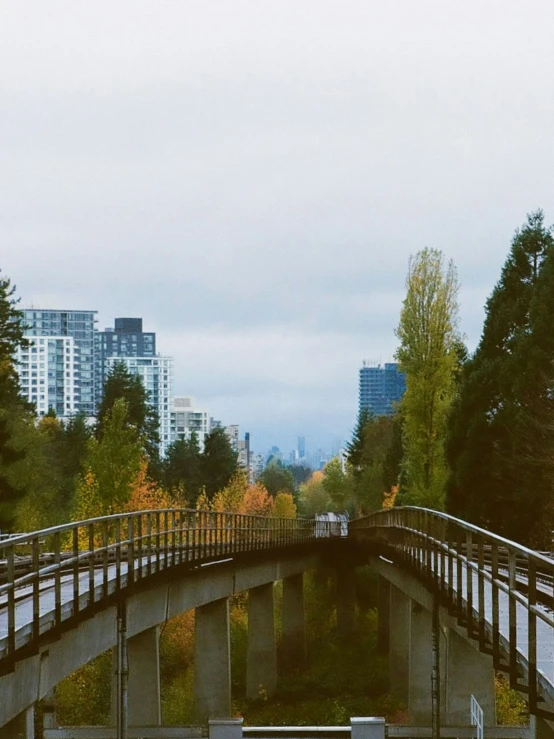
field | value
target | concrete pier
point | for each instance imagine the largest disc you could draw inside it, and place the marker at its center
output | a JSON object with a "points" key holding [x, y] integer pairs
{"points": [[212, 661], [261, 667], [399, 644], [468, 673], [144, 703], [383, 615], [21, 727], [294, 625], [346, 600]]}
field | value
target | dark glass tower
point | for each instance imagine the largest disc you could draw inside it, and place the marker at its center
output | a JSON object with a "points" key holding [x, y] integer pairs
{"points": [[125, 339], [380, 388]]}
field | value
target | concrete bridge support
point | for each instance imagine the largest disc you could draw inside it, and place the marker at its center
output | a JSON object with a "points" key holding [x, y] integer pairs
{"points": [[261, 668], [21, 727], [399, 644], [469, 672], [294, 628], [346, 600], [383, 615], [143, 655], [212, 661], [464, 671]]}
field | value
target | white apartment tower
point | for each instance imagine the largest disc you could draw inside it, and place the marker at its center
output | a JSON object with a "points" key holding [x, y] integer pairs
{"points": [[186, 419], [48, 369], [156, 374]]}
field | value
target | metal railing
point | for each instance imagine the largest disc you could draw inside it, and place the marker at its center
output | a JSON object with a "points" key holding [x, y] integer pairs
{"points": [[48, 578], [500, 591]]}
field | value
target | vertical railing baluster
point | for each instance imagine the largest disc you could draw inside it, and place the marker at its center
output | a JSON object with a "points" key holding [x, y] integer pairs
{"points": [[481, 591], [75, 553], [10, 555], [91, 563], [532, 632], [130, 550], [158, 541], [138, 551], [105, 555], [149, 542], [469, 582], [173, 538], [512, 617], [36, 586], [166, 538], [459, 576], [495, 605], [57, 581], [118, 554]]}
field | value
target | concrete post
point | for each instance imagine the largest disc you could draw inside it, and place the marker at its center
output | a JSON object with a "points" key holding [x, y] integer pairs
{"points": [[539, 728], [421, 665], [49, 720], [468, 672], [212, 661], [383, 615], [346, 600], [399, 644], [294, 628], [372, 727], [230, 728], [261, 667], [21, 727], [143, 655]]}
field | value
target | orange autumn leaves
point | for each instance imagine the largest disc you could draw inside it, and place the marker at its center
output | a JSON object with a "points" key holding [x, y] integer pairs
{"points": [[237, 497]]}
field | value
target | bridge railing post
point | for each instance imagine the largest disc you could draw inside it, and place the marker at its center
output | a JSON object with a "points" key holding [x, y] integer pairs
{"points": [[532, 632]]}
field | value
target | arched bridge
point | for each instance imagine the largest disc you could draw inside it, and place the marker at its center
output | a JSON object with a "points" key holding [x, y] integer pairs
{"points": [[455, 603]]}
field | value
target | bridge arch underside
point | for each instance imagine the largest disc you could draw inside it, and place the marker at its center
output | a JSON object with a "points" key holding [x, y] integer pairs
{"points": [[469, 669], [178, 591]]}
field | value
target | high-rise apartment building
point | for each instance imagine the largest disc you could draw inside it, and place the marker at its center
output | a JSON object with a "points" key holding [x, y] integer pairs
{"points": [[156, 374], [57, 369], [186, 419], [47, 370], [380, 388], [125, 339]]}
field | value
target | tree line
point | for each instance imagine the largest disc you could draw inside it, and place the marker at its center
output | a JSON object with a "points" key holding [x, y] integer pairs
{"points": [[474, 433]]}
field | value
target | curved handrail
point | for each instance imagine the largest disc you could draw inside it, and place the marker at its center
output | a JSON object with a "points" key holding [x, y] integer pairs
{"points": [[366, 521], [473, 571], [87, 561]]}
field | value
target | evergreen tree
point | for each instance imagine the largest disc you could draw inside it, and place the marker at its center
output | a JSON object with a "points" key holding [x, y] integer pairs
{"points": [[182, 468], [141, 415], [276, 478], [15, 415], [218, 461], [355, 448], [499, 445], [428, 355]]}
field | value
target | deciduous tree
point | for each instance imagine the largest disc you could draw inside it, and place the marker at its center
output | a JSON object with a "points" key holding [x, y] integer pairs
{"points": [[428, 334]]}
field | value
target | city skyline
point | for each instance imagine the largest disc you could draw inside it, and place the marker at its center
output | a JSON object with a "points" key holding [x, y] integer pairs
{"points": [[123, 341]]}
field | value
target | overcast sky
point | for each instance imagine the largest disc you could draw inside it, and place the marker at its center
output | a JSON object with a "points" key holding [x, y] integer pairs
{"points": [[251, 177]]}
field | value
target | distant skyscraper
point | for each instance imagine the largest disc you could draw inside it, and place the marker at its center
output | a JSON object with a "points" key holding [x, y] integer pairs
{"points": [[57, 370], [380, 388], [301, 447]]}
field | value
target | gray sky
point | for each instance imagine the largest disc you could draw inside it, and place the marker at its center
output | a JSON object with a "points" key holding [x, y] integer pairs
{"points": [[252, 176]]}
